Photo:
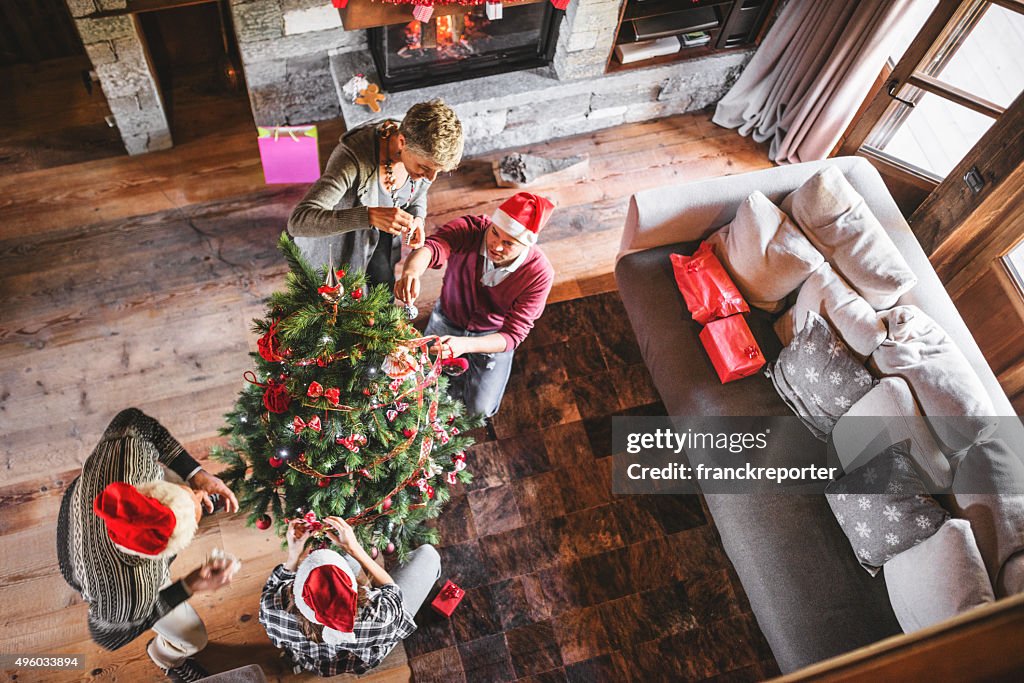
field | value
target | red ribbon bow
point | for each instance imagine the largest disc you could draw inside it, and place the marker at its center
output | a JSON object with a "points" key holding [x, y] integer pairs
{"points": [[451, 592], [333, 395], [751, 351], [298, 425], [312, 523], [352, 442]]}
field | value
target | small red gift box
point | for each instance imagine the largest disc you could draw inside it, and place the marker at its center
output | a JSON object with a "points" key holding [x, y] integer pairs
{"points": [[708, 290], [732, 348], [448, 599]]}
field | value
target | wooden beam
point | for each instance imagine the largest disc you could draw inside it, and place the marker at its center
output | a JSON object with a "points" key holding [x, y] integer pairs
{"points": [[981, 644], [991, 230], [997, 156]]}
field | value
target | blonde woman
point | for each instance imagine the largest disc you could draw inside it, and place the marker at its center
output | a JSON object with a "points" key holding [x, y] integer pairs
{"points": [[373, 193]]}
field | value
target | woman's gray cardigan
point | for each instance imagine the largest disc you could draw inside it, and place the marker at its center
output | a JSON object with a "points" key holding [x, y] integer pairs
{"points": [[332, 217]]}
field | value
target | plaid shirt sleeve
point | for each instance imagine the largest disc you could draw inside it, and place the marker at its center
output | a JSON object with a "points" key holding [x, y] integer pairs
{"points": [[379, 627]]}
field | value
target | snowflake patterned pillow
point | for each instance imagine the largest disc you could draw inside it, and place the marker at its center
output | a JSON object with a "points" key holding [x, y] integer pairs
{"points": [[818, 377], [883, 507]]}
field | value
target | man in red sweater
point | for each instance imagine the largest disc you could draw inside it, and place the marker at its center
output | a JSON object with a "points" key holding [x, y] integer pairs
{"points": [[495, 287]]}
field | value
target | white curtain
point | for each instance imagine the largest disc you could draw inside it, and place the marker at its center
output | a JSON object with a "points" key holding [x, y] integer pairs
{"points": [[810, 75]]}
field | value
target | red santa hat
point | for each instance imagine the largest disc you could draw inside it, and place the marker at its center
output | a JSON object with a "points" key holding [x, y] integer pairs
{"points": [[522, 216], [155, 519], [325, 593]]}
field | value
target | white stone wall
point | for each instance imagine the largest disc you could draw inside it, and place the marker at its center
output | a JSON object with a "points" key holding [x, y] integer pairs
{"points": [[116, 49], [284, 46], [586, 38]]}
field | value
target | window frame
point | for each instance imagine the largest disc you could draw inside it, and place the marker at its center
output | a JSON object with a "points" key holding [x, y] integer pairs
{"points": [[943, 32]]}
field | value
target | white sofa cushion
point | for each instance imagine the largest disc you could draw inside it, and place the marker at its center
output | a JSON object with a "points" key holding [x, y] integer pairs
{"points": [[937, 579], [826, 293], [765, 253], [885, 415], [948, 391], [837, 220], [988, 491]]}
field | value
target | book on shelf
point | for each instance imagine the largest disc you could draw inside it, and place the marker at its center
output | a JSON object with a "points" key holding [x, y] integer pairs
{"points": [[628, 53], [695, 38]]}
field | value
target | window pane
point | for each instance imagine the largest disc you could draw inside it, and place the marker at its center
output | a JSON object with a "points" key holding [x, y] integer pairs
{"points": [[935, 135], [1015, 264], [990, 61], [917, 13]]}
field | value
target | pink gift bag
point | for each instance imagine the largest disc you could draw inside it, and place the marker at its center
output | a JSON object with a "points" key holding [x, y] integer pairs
{"points": [[289, 154]]}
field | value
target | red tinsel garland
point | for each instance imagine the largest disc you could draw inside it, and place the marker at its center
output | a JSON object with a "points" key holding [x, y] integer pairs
{"points": [[432, 3], [559, 4]]}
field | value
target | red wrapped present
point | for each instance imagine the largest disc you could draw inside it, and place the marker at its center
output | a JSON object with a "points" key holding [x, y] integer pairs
{"points": [[732, 348], [448, 599], [709, 292]]}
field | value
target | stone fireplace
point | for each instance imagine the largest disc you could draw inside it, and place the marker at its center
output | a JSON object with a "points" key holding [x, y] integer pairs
{"points": [[296, 56]]}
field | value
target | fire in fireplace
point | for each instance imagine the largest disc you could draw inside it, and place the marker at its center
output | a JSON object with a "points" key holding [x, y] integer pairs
{"points": [[466, 44]]}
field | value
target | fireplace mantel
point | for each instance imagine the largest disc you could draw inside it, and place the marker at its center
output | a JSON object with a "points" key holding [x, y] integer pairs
{"points": [[360, 14]]}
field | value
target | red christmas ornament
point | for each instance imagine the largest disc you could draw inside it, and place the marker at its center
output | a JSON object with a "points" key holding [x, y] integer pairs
{"points": [[276, 398], [324, 483], [390, 550], [408, 433], [386, 503], [279, 481], [275, 462], [264, 522], [268, 345], [357, 293]]}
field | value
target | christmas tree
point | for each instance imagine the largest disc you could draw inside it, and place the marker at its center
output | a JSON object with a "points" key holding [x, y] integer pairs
{"points": [[345, 414]]}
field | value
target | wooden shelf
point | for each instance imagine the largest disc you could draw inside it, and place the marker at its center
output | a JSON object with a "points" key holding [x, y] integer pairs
{"points": [[653, 8], [740, 25]]}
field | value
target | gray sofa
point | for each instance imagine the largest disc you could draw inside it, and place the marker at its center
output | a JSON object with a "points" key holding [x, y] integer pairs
{"points": [[811, 598]]}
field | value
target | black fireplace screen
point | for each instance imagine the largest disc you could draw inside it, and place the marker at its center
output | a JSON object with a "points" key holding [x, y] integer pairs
{"points": [[464, 45]]}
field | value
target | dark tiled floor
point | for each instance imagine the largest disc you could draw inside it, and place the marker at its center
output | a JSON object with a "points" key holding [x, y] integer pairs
{"points": [[564, 581]]}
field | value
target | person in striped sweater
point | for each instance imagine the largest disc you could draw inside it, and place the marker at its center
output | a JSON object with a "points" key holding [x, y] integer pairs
{"points": [[120, 526]]}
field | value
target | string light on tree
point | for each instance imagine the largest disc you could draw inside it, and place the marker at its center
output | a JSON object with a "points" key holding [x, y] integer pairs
{"points": [[338, 417]]}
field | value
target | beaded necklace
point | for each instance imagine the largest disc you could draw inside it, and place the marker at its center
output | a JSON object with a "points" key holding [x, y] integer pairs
{"points": [[392, 187]]}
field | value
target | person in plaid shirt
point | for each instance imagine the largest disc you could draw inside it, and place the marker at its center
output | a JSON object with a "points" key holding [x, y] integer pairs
{"points": [[326, 621]]}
